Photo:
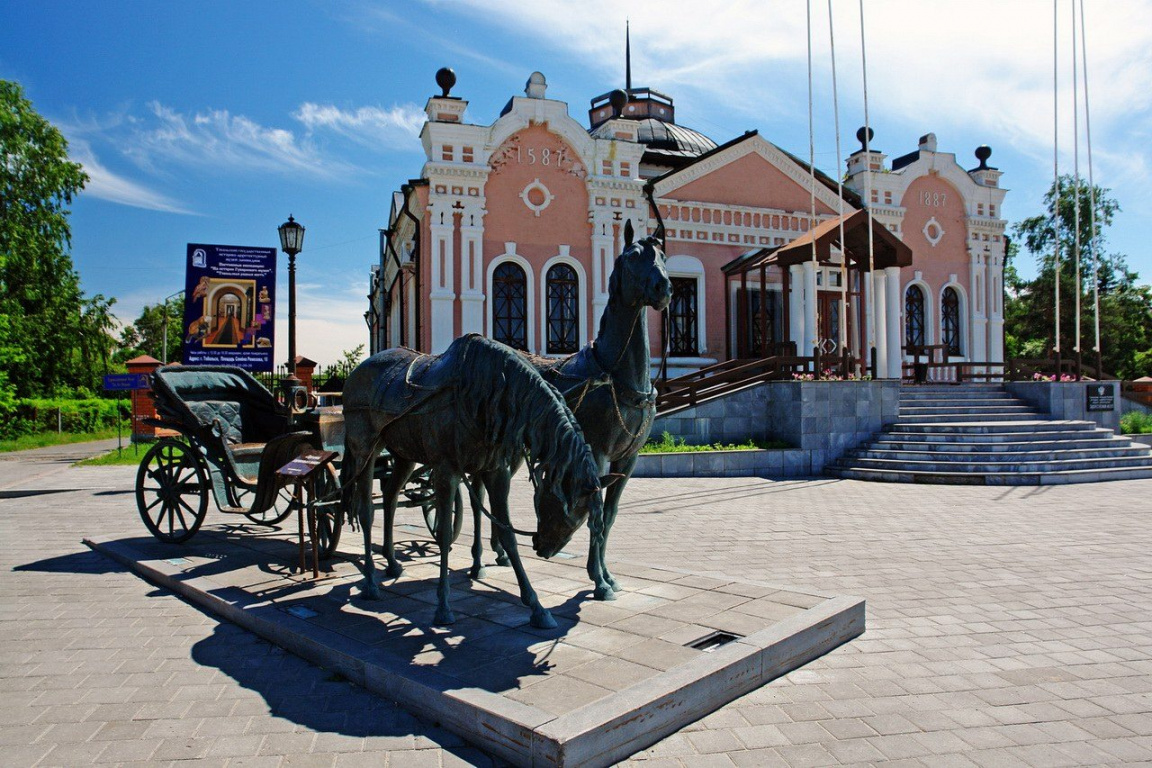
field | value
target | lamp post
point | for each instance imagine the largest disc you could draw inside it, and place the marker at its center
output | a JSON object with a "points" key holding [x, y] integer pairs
{"points": [[166, 299], [291, 242]]}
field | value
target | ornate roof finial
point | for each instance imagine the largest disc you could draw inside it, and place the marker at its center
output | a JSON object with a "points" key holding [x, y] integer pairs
{"points": [[627, 58]]}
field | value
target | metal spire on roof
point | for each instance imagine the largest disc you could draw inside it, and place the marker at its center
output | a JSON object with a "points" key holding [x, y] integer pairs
{"points": [[627, 59]]}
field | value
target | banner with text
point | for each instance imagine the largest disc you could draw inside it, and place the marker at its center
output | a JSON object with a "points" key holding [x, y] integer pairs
{"points": [[229, 297]]}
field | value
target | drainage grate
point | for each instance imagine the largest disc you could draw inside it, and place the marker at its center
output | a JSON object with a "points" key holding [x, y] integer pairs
{"points": [[711, 642]]}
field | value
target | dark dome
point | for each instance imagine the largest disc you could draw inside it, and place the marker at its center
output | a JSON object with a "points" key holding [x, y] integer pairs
{"points": [[666, 140]]}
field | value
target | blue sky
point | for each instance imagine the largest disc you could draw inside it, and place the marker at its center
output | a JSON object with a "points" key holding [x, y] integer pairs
{"points": [[212, 121]]}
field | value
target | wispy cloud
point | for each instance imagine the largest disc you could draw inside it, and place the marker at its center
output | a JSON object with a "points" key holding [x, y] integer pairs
{"points": [[221, 140], [108, 185], [375, 127]]}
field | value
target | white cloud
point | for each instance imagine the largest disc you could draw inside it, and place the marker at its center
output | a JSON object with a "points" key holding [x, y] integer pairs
{"points": [[375, 127], [107, 185], [222, 140], [984, 65]]}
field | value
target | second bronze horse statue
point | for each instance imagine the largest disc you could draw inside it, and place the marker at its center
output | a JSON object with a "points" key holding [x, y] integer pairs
{"points": [[608, 385], [470, 411]]}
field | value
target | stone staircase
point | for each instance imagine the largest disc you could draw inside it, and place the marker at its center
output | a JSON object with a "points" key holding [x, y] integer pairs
{"points": [[979, 434]]}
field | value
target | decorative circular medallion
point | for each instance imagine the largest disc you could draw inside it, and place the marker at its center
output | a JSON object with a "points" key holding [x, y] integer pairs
{"points": [[536, 196], [933, 232]]}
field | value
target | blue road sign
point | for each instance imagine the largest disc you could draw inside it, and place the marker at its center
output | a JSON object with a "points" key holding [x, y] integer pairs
{"points": [[114, 382]]}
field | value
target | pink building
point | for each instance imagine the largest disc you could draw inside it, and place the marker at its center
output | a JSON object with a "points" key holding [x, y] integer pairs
{"points": [[511, 230]]}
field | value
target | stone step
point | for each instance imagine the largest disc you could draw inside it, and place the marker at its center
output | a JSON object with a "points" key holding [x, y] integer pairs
{"points": [[953, 396], [1103, 440], [986, 478], [934, 402], [985, 456], [1013, 427], [993, 409], [964, 418], [996, 467]]}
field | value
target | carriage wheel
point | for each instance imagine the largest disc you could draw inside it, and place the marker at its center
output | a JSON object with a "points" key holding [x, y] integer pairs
{"points": [[172, 491], [330, 517], [281, 508]]}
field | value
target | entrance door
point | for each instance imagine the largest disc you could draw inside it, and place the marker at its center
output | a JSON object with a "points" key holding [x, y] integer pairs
{"points": [[830, 315]]}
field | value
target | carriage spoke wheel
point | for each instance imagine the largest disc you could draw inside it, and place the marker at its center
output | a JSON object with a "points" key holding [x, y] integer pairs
{"points": [[329, 518], [172, 491], [281, 508]]}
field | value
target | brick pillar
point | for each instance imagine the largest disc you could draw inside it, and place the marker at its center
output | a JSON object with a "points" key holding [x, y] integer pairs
{"points": [[143, 407], [304, 370]]}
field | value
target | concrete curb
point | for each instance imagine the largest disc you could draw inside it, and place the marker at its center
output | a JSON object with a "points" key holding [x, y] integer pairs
{"points": [[598, 734]]}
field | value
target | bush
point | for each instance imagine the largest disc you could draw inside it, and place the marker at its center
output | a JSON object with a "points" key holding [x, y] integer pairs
{"points": [[29, 416], [1136, 423]]}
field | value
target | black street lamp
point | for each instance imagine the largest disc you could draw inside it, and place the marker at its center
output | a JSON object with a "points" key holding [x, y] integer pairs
{"points": [[291, 242]]}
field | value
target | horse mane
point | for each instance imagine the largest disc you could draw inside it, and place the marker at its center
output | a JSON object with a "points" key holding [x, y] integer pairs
{"points": [[513, 407]]}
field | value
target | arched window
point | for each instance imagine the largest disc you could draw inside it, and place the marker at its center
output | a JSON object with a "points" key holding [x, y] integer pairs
{"points": [[510, 305], [563, 297], [914, 316], [950, 321], [685, 336]]}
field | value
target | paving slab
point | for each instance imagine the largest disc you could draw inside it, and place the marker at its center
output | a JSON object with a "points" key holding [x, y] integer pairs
{"points": [[613, 678]]}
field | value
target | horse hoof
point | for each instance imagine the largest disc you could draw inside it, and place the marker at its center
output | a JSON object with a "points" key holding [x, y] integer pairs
{"points": [[478, 573], [394, 570], [503, 560], [370, 591], [444, 617], [613, 583], [604, 593], [542, 619]]}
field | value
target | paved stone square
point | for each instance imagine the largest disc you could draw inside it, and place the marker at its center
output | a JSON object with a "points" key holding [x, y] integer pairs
{"points": [[1005, 627]]}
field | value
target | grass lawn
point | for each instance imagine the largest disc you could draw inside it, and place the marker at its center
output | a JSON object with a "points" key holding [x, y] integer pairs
{"points": [[669, 444], [129, 456], [45, 439]]}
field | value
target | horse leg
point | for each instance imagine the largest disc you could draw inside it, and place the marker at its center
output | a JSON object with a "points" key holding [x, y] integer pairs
{"points": [[612, 496], [498, 548], [445, 484], [359, 447], [476, 498], [597, 539], [401, 471], [498, 486]]}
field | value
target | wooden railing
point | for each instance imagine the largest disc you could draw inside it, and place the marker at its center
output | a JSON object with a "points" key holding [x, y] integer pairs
{"points": [[722, 378]]}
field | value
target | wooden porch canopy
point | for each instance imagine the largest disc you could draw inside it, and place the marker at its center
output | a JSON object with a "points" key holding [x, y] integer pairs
{"points": [[888, 250]]}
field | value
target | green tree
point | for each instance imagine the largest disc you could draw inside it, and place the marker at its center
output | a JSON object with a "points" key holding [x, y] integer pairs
{"points": [[41, 304], [145, 335], [1030, 309]]}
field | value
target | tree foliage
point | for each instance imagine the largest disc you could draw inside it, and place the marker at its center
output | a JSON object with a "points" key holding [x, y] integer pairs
{"points": [[145, 335], [1125, 306], [52, 338]]}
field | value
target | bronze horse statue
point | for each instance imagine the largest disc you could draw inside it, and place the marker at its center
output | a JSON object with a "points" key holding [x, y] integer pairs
{"points": [[608, 385], [471, 411]]}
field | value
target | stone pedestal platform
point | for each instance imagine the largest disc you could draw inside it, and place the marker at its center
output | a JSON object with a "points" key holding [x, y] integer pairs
{"points": [[613, 678]]}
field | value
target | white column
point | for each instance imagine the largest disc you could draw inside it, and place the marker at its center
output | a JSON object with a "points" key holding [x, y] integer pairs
{"points": [[602, 261], [472, 270], [894, 318], [880, 297], [978, 308], [442, 293], [796, 308], [996, 306], [810, 329]]}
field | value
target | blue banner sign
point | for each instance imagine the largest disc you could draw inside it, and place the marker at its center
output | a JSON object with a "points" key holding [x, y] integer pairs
{"points": [[120, 382], [229, 301]]}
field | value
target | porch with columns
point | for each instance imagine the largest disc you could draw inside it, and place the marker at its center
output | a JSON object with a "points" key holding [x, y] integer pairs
{"points": [[804, 331]]}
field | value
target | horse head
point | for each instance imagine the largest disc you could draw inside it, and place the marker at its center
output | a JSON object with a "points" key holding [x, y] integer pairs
{"points": [[640, 275], [563, 504]]}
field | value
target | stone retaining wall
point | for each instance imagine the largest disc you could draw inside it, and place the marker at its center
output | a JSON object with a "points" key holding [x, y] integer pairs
{"points": [[1067, 400], [821, 420]]}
